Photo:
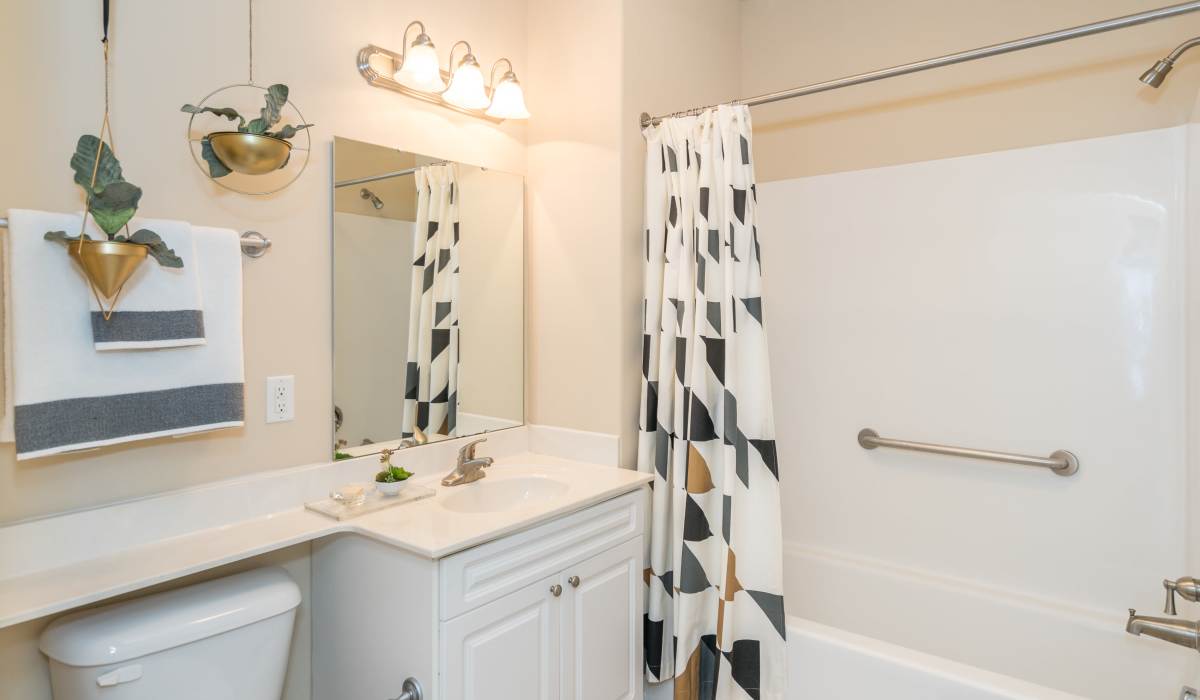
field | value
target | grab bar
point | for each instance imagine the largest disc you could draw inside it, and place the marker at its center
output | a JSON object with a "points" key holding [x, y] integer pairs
{"points": [[1060, 462]]}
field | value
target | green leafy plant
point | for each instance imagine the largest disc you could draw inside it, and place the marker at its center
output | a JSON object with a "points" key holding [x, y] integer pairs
{"points": [[262, 125], [392, 474], [111, 200], [338, 455]]}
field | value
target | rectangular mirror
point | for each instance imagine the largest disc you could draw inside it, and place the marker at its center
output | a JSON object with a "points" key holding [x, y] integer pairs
{"points": [[428, 292]]}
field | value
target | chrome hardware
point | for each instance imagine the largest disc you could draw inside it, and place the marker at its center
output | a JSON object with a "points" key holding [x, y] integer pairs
{"points": [[468, 467], [1028, 42], [412, 690], [1186, 693], [254, 244], [1060, 462], [1181, 632], [556, 590], [1187, 587], [574, 581]]}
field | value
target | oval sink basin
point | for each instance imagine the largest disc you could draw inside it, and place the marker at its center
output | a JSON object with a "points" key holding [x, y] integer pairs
{"points": [[491, 495]]}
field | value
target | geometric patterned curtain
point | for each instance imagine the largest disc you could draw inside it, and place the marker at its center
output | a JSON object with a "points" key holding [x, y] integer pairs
{"points": [[714, 618], [431, 378]]}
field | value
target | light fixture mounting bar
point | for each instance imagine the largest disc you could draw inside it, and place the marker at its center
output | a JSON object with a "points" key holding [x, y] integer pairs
{"points": [[379, 80]]}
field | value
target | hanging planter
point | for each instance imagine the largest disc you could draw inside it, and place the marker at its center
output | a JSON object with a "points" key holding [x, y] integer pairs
{"points": [[250, 154], [111, 202], [257, 147], [108, 265]]}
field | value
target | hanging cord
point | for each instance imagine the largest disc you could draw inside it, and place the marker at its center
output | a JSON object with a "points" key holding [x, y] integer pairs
{"points": [[105, 128], [250, 39]]}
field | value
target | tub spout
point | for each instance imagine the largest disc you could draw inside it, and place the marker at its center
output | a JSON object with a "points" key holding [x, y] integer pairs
{"points": [[1185, 633]]}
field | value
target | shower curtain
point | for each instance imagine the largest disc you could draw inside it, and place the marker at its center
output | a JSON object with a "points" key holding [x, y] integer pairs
{"points": [[431, 378], [715, 618]]}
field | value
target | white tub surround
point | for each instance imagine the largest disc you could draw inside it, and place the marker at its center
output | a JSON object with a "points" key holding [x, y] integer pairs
{"points": [[1027, 301], [103, 552]]}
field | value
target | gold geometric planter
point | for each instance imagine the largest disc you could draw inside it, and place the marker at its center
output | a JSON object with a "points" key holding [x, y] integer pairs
{"points": [[250, 154], [108, 265]]}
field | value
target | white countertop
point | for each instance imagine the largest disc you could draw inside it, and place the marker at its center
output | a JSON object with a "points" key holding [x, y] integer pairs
{"points": [[424, 528]]}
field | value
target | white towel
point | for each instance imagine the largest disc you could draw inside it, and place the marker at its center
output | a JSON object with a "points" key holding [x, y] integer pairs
{"points": [[68, 396], [159, 306]]}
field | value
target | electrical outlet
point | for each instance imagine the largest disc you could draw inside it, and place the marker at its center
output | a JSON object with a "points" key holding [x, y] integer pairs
{"points": [[281, 399]]}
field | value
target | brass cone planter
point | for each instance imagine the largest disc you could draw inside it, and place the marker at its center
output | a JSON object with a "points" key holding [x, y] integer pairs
{"points": [[108, 265], [250, 154]]}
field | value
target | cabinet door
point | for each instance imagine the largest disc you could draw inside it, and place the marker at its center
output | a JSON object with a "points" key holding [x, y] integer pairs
{"points": [[602, 626], [505, 650]]}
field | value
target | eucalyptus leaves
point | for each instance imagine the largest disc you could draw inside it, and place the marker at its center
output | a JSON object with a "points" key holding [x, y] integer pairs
{"points": [[263, 125], [112, 201]]}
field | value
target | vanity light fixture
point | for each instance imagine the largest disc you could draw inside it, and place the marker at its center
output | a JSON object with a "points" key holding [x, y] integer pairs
{"points": [[416, 72], [419, 68], [508, 99], [466, 83]]}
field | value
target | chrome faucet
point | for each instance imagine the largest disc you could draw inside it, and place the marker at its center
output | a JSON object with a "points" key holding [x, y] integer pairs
{"points": [[468, 467], [1185, 633]]}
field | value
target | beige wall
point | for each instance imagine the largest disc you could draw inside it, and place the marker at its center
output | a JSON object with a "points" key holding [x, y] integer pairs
{"points": [[163, 56], [1074, 90], [574, 295], [609, 62]]}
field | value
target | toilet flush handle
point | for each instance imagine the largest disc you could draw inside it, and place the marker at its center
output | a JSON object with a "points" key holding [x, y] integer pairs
{"points": [[412, 690], [125, 674]]}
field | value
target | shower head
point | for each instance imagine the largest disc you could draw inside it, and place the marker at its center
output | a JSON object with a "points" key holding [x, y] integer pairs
{"points": [[1158, 72], [368, 194]]}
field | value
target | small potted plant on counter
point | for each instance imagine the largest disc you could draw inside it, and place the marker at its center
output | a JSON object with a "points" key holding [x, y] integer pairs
{"points": [[391, 480]]}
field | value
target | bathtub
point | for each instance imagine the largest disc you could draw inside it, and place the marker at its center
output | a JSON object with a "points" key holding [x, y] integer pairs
{"points": [[826, 663]]}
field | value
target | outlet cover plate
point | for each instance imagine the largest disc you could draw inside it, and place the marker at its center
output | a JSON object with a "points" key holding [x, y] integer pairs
{"points": [[281, 398]]}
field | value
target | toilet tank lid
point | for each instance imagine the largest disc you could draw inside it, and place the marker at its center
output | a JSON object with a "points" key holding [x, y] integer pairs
{"points": [[154, 623]]}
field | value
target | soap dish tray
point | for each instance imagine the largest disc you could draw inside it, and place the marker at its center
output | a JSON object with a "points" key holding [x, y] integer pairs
{"points": [[375, 501]]}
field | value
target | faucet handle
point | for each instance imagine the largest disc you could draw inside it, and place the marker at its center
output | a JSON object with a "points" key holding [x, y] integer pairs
{"points": [[467, 451], [1187, 587]]}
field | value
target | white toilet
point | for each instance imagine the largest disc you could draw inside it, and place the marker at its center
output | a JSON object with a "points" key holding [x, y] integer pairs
{"points": [[226, 639]]}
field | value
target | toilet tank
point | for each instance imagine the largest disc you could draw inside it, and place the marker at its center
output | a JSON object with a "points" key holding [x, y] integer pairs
{"points": [[227, 638]]}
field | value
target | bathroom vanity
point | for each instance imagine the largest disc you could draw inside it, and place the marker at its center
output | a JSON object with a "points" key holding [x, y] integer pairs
{"points": [[526, 583], [550, 612]]}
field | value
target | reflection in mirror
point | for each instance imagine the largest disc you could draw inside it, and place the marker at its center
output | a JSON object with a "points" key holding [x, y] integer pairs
{"points": [[428, 293]]}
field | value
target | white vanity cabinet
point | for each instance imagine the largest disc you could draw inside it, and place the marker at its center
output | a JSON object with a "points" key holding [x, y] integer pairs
{"points": [[572, 635], [548, 613]]}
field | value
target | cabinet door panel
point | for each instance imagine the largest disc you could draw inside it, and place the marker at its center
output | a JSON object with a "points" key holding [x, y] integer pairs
{"points": [[602, 650], [505, 650]]}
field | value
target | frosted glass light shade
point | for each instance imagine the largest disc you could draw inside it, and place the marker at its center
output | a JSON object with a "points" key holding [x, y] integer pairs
{"points": [[466, 86], [420, 70], [508, 100]]}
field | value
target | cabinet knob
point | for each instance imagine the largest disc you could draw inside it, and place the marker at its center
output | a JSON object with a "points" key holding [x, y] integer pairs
{"points": [[574, 581], [556, 590]]}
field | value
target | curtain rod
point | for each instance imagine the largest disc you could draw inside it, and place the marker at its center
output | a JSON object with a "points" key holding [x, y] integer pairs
{"points": [[1029, 42], [385, 176]]}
